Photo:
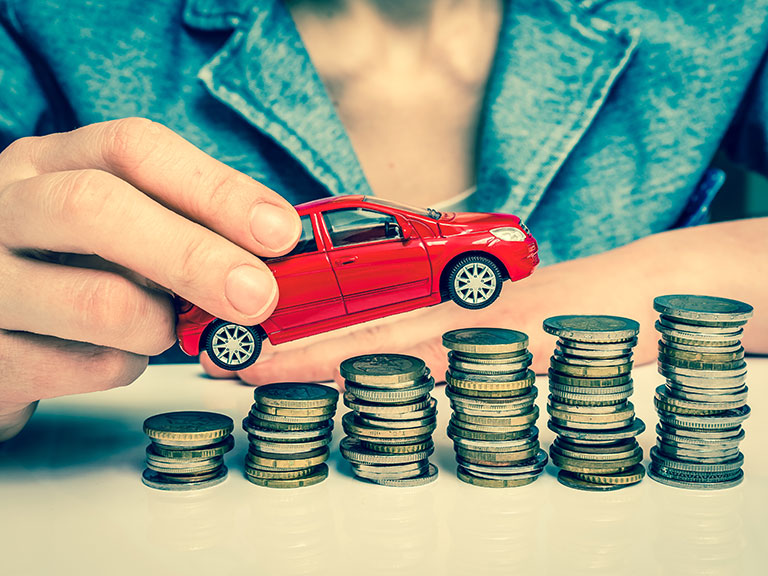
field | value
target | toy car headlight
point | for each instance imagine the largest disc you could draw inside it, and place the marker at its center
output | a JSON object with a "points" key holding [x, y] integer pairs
{"points": [[509, 234]]}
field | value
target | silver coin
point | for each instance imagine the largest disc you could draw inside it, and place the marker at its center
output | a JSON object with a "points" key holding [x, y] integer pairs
{"points": [[521, 442], [398, 396], [586, 361], [702, 382], [355, 452], [396, 424], [668, 322], [738, 395], [692, 467], [306, 420], [285, 435], [390, 471], [371, 369], [428, 477], [635, 428], [587, 328], [532, 465], [703, 436], [699, 337], [567, 351], [491, 369], [670, 371], [288, 447], [695, 485], [595, 410], [696, 456], [161, 482], [512, 357], [388, 410], [701, 349], [706, 309]]}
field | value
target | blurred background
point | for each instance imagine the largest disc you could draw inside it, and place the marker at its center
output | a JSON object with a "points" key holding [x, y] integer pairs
{"points": [[744, 194]]}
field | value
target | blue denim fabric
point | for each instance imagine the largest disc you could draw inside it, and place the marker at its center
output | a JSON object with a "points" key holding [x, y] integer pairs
{"points": [[600, 118]]}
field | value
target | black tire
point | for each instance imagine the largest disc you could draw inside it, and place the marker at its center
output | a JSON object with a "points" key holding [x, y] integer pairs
{"points": [[488, 278], [220, 334]]}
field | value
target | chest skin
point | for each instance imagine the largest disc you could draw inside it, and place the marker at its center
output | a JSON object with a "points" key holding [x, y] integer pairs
{"points": [[408, 87]]}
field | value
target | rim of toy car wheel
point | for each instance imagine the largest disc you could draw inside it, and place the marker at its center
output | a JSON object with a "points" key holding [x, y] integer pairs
{"points": [[232, 346], [475, 282]]}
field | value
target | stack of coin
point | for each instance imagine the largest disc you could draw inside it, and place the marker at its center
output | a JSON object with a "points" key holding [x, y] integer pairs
{"points": [[492, 394], [590, 382], [187, 450], [389, 431], [704, 402], [289, 428]]}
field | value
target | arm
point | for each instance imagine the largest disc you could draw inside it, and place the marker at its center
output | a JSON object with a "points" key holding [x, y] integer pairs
{"points": [[727, 259]]}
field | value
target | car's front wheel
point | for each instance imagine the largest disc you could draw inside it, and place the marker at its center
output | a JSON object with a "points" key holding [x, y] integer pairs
{"points": [[232, 346], [474, 282]]}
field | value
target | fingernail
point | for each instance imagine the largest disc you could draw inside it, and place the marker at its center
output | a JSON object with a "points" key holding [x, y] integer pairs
{"points": [[274, 227], [250, 290]]}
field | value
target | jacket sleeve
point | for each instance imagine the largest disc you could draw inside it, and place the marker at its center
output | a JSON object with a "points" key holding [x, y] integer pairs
{"points": [[23, 103], [746, 141]]}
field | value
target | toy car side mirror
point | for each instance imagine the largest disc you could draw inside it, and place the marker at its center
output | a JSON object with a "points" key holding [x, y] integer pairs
{"points": [[393, 230], [406, 230]]}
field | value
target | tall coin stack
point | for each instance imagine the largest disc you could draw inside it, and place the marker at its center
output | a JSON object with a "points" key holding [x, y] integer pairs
{"points": [[289, 428], [492, 394], [389, 431], [590, 382], [187, 450], [704, 402]]}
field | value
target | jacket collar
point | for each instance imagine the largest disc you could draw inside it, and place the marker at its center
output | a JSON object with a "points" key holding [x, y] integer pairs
{"points": [[265, 74], [555, 65]]}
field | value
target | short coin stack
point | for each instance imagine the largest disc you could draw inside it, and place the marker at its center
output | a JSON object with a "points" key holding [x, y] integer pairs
{"points": [[590, 383], [389, 431], [492, 394], [704, 402], [187, 450], [289, 428]]}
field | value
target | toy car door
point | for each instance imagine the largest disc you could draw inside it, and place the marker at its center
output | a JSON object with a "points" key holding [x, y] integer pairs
{"points": [[308, 290], [376, 264]]}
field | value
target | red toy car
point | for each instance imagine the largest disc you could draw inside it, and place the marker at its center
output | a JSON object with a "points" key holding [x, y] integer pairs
{"points": [[360, 258]]}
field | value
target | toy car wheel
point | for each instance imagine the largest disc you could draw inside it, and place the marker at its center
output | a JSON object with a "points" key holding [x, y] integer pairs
{"points": [[232, 346], [474, 282]]}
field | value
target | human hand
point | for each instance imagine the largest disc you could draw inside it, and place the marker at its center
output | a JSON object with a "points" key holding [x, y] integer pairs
{"points": [[95, 225]]}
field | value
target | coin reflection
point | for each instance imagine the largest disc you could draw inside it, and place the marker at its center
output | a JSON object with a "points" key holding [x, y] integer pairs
{"points": [[186, 521], [596, 533], [494, 531], [391, 530], [699, 532], [291, 531]]}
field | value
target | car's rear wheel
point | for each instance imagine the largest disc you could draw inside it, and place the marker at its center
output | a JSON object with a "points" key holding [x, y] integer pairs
{"points": [[474, 282], [232, 346]]}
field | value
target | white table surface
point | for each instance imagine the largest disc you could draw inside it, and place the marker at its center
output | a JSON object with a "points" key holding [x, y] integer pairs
{"points": [[72, 502]]}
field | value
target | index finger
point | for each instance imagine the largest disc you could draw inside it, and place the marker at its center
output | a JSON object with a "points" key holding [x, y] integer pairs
{"points": [[170, 170]]}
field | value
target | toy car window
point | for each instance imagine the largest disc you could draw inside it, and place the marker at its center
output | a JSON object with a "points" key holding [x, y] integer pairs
{"points": [[307, 242], [357, 226]]}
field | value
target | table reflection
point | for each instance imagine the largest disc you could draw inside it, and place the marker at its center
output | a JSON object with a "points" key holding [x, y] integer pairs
{"points": [[699, 532]]}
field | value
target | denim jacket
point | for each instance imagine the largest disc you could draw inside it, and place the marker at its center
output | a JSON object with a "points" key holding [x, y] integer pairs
{"points": [[599, 121]]}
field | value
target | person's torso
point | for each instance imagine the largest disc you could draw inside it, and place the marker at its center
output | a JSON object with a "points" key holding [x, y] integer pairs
{"points": [[598, 120]]}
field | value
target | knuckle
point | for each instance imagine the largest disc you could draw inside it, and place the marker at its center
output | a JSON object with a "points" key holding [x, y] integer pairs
{"points": [[102, 304], [191, 267], [20, 150], [216, 193], [116, 368], [83, 197], [129, 142]]}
